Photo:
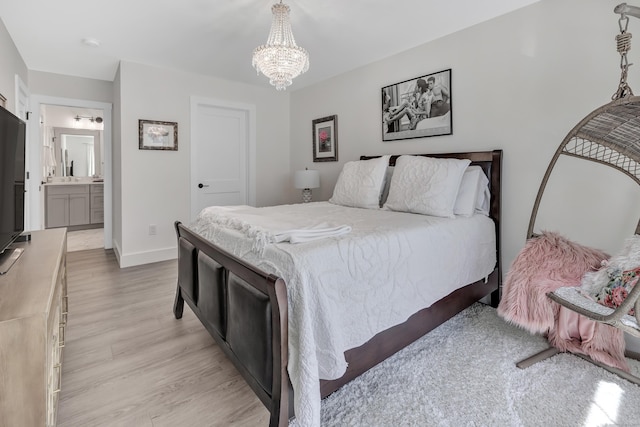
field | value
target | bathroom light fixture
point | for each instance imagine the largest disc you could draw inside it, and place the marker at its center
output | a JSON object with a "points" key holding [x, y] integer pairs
{"points": [[90, 118], [93, 120], [306, 180], [281, 59]]}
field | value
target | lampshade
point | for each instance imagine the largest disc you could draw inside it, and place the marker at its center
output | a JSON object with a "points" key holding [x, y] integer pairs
{"points": [[306, 179], [281, 59]]}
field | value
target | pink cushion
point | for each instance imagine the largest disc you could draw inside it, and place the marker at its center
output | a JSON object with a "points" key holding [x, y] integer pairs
{"points": [[546, 263]]}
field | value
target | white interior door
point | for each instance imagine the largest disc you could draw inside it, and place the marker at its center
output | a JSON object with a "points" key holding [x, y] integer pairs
{"points": [[221, 150]]}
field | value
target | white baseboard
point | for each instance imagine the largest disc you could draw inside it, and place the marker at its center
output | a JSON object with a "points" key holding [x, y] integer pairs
{"points": [[147, 257], [117, 251]]}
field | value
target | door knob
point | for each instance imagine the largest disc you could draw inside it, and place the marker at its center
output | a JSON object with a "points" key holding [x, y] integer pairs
{"points": [[202, 185]]}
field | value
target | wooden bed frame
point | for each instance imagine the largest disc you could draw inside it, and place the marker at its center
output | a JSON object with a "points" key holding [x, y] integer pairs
{"points": [[245, 309]]}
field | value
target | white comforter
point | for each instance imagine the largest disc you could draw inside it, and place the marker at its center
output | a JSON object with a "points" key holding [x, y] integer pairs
{"points": [[343, 290]]}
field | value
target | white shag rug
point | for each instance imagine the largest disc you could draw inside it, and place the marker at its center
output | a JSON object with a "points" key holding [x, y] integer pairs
{"points": [[463, 373]]}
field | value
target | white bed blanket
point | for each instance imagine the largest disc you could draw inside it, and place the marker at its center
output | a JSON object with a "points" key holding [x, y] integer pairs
{"points": [[343, 290], [265, 229]]}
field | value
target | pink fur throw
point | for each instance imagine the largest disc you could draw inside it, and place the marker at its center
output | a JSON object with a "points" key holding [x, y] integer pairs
{"points": [[546, 263]]}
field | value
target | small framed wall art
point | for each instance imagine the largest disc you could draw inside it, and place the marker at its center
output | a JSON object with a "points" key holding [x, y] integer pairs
{"points": [[325, 139], [157, 135], [417, 108]]}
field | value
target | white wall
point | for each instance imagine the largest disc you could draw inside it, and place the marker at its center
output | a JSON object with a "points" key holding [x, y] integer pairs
{"points": [[155, 185], [520, 83], [62, 86], [12, 64]]}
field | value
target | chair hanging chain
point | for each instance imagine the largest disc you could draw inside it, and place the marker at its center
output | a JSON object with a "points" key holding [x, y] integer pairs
{"points": [[623, 41]]}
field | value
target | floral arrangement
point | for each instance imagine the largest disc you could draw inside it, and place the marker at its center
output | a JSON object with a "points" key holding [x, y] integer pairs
{"points": [[324, 135]]}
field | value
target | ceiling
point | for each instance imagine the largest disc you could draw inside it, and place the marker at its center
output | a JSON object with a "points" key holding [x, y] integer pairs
{"points": [[217, 37]]}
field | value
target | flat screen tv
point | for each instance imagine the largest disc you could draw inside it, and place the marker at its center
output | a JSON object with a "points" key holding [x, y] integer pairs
{"points": [[12, 175]]}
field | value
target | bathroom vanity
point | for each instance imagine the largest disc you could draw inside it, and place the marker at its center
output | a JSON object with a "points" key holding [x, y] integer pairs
{"points": [[74, 204]]}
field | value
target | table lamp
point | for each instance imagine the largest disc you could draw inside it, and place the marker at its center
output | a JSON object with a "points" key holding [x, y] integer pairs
{"points": [[306, 180]]}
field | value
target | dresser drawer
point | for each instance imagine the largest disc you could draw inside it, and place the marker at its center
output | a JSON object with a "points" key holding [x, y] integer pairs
{"points": [[33, 316]]}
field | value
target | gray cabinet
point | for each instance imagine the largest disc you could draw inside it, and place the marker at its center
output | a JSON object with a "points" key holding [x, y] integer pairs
{"points": [[79, 209], [69, 205], [57, 210], [97, 203]]}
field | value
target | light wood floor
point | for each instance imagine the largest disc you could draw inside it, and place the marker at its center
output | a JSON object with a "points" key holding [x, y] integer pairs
{"points": [[129, 362], [82, 240]]}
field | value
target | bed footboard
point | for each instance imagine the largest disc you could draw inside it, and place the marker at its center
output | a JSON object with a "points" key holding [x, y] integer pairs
{"points": [[245, 311]]}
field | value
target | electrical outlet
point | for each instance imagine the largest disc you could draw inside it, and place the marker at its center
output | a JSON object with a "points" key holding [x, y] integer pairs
{"points": [[152, 229]]}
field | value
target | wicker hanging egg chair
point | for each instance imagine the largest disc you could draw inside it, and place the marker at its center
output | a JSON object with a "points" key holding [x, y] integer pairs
{"points": [[610, 135]]}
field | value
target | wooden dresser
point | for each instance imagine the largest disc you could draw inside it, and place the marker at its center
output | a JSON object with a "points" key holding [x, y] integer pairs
{"points": [[33, 315]]}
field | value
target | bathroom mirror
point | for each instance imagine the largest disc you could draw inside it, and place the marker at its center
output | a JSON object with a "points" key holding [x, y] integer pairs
{"points": [[77, 152]]}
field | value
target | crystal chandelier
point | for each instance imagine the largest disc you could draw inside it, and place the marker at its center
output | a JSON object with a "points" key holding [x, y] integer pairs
{"points": [[281, 59]]}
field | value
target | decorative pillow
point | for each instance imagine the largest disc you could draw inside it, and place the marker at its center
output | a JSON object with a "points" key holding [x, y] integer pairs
{"points": [[360, 183], [425, 185], [471, 194], [611, 284], [620, 284]]}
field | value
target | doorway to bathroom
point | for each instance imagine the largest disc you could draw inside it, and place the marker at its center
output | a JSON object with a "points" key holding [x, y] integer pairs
{"points": [[70, 168]]}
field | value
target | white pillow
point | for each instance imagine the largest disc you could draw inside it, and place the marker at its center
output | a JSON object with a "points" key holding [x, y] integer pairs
{"points": [[426, 185], [360, 183], [471, 194]]}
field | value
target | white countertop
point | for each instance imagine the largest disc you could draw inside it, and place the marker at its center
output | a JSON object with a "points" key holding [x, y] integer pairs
{"points": [[74, 183]]}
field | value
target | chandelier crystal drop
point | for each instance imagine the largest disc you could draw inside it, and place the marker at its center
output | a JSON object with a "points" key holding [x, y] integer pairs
{"points": [[281, 59]]}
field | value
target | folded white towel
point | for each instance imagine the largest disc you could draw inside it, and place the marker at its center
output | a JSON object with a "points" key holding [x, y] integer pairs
{"points": [[265, 229], [309, 234]]}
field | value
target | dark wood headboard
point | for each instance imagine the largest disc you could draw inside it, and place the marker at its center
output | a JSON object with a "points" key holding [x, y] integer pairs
{"points": [[491, 164], [489, 161]]}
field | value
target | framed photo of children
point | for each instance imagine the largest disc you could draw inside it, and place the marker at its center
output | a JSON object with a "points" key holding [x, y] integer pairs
{"points": [[325, 139], [418, 107]]}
